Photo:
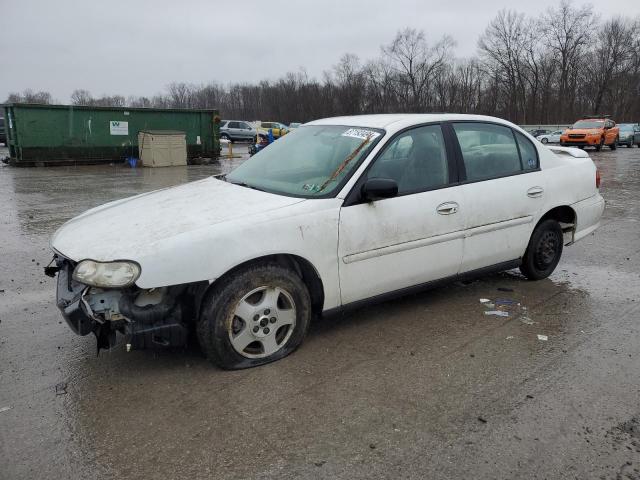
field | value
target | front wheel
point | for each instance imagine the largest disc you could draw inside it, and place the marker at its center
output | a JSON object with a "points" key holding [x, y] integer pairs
{"points": [[545, 140], [599, 146], [258, 315], [544, 251]]}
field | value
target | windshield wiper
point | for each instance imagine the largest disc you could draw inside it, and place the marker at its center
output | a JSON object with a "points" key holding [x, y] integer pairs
{"points": [[344, 163], [243, 184]]}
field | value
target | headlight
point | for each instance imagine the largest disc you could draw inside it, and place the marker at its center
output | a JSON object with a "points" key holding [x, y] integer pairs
{"points": [[106, 275]]}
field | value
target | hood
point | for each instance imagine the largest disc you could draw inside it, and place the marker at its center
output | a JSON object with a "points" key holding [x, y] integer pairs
{"points": [[120, 229]]}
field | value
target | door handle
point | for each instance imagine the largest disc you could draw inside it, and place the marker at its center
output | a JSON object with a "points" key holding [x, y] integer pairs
{"points": [[535, 192], [447, 208]]}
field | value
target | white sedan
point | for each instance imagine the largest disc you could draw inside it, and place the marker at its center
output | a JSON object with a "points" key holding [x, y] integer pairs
{"points": [[553, 137], [340, 212]]}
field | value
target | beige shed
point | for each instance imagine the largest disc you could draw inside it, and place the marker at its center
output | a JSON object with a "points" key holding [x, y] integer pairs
{"points": [[162, 148]]}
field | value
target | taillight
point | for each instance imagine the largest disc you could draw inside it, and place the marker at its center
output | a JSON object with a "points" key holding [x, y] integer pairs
{"points": [[597, 178]]}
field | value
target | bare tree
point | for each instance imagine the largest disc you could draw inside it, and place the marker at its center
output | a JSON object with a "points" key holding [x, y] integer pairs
{"points": [[81, 97], [29, 96], [567, 31], [614, 54], [415, 64]]}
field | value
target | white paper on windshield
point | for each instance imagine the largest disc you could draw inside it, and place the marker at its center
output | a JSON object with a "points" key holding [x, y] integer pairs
{"points": [[361, 133]]}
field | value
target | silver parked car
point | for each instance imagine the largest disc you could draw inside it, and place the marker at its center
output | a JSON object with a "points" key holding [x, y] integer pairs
{"points": [[234, 130], [553, 137], [626, 135]]}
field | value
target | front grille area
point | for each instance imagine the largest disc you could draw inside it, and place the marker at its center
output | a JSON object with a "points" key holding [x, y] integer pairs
{"points": [[576, 135]]}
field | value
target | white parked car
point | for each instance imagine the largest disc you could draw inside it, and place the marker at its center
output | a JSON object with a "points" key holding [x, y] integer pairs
{"points": [[340, 212], [553, 137]]}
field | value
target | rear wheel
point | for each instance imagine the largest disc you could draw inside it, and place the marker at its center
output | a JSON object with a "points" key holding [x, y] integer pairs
{"points": [[545, 140], [544, 251], [614, 145], [259, 315]]}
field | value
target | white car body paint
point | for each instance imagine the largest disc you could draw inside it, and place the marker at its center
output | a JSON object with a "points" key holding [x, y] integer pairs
{"points": [[200, 230]]}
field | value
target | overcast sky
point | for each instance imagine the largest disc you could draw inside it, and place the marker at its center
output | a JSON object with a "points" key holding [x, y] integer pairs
{"points": [[136, 47]]}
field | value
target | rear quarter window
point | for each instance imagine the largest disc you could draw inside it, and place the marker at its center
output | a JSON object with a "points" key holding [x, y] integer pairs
{"points": [[528, 152]]}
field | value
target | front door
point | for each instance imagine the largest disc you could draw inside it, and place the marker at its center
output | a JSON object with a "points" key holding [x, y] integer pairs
{"points": [[413, 238]]}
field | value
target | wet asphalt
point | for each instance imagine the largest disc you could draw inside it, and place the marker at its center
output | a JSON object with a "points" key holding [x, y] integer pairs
{"points": [[426, 386]]}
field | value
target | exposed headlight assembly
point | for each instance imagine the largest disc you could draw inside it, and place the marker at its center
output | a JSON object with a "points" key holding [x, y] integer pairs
{"points": [[106, 274]]}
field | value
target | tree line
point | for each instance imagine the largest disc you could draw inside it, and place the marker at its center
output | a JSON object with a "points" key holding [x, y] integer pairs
{"points": [[548, 69]]}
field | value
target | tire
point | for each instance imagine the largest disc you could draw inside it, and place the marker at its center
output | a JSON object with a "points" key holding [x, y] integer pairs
{"points": [[544, 250], [614, 145], [599, 146], [225, 136], [545, 140], [274, 295]]}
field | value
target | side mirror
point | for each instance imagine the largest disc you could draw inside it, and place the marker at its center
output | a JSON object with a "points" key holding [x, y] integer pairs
{"points": [[377, 188]]}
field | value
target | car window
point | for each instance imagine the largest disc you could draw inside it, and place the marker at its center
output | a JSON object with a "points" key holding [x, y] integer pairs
{"points": [[245, 125], [488, 150], [266, 125], [223, 123], [416, 160], [528, 152], [234, 125]]}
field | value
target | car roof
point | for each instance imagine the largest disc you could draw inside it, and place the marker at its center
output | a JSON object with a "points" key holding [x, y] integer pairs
{"points": [[398, 121]]}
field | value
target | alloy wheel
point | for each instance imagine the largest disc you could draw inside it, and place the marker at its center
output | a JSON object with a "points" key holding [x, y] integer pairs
{"points": [[262, 322]]}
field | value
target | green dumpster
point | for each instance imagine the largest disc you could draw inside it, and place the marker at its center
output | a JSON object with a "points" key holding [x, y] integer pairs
{"points": [[66, 134]]}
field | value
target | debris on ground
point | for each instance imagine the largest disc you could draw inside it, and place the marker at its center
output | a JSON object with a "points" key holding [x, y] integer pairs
{"points": [[4, 409], [484, 300], [510, 337], [481, 419], [497, 313], [506, 301], [526, 320], [505, 289], [61, 388], [543, 338]]}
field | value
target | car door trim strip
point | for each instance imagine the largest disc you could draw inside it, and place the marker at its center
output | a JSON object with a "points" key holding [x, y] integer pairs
{"points": [[492, 227], [446, 237]]}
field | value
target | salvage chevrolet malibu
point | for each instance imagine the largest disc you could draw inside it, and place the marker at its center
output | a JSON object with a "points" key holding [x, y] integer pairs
{"points": [[339, 212]]}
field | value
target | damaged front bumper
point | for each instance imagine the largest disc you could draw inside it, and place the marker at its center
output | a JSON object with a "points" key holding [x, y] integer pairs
{"points": [[157, 317]]}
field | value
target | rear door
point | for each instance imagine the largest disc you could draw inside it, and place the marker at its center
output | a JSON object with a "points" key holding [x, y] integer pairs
{"points": [[503, 191], [413, 238]]}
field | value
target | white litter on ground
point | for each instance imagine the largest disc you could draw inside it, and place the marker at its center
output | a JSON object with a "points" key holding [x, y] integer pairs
{"points": [[4, 409], [484, 300], [527, 321], [497, 313], [543, 338]]}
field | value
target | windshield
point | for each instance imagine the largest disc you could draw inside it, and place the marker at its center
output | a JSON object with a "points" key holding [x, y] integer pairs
{"points": [[311, 161], [626, 127], [589, 124]]}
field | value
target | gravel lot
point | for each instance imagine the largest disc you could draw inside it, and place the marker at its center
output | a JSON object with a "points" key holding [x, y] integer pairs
{"points": [[422, 387]]}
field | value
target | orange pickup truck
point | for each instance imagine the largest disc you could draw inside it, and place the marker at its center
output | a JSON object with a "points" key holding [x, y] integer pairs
{"points": [[591, 132]]}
